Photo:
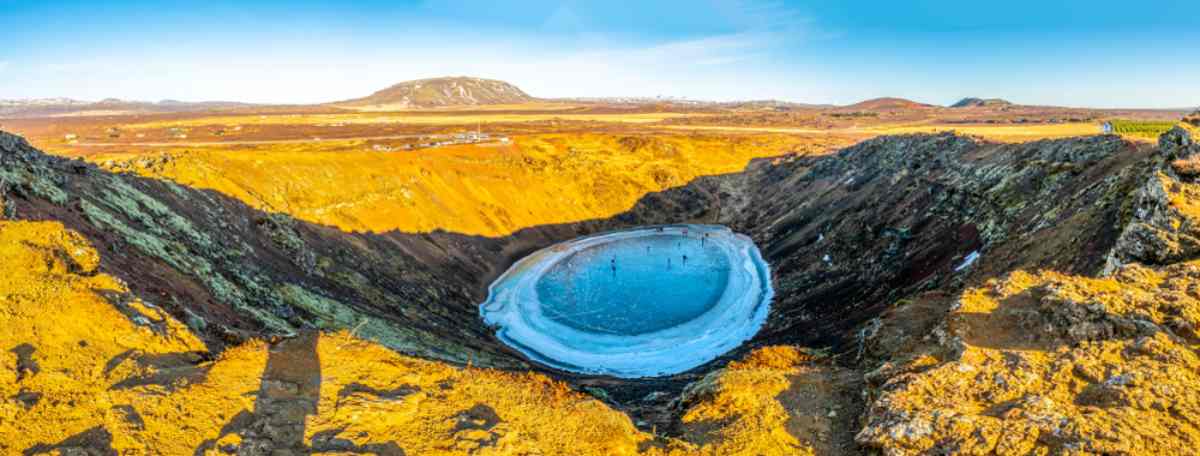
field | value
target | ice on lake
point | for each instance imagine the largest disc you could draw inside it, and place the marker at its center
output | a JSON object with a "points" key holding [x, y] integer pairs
{"points": [[636, 303]]}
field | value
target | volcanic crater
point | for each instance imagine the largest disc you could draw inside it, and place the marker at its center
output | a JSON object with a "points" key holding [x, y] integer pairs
{"points": [[850, 239], [837, 260]]}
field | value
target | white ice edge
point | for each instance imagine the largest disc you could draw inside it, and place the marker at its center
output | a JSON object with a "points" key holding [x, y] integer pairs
{"points": [[513, 308], [968, 261]]}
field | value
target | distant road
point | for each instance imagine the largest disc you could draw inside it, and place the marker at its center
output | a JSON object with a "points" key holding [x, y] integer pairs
{"points": [[254, 142]]}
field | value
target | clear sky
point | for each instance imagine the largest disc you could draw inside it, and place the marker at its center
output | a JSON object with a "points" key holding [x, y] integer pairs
{"points": [[1098, 53]]}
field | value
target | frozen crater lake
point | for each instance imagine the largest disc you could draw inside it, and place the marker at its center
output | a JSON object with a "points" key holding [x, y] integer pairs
{"points": [[636, 303]]}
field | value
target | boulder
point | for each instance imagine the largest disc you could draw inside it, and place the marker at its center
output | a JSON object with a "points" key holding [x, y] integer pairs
{"points": [[1177, 143]]}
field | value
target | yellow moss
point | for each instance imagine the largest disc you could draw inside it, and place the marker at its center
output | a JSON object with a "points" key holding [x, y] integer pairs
{"points": [[775, 357], [62, 318], [536, 414], [539, 180]]}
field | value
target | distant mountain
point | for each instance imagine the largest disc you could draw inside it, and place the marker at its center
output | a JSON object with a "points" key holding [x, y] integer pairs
{"points": [[887, 104], [44, 107], [443, 92], [981, 103], [770, 105], [41, 102]]}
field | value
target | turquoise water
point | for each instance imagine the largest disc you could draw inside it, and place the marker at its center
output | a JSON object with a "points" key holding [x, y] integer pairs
{"points": [[627, 304], [635, 286]]}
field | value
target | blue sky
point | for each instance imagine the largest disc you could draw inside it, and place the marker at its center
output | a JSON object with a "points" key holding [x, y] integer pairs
{"points": [[1096, 53]]}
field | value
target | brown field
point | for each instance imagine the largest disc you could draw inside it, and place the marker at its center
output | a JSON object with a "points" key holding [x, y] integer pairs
{"points": [[411, 118], [282, 125]]}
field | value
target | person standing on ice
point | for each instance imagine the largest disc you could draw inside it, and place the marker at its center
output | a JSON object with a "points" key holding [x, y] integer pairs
{"points": [[685, 260]]}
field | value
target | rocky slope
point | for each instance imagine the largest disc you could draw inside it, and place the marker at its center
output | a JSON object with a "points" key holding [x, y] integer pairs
{"points": [[1052, 363], [949, 295], [443, 92]]}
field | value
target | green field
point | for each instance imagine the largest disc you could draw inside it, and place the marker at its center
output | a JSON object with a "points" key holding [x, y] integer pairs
{"points": [[1143, 128]]}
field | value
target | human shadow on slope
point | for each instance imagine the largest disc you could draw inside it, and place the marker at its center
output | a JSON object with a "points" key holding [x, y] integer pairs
{"points": [[823, 404], [288, 396], [289, 393]]}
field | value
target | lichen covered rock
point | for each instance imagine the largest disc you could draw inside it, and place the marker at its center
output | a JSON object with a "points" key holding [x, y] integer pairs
{"points": [[1053, 364]]}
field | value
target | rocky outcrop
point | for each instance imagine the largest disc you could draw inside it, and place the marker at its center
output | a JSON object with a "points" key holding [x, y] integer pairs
{"points": [[1161, 226], [1059, 363], [1051, 363]]}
